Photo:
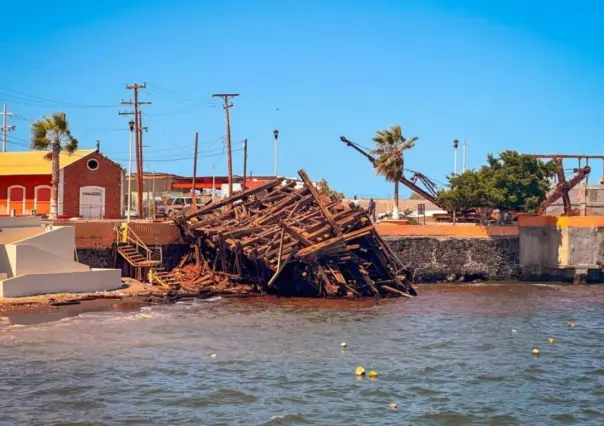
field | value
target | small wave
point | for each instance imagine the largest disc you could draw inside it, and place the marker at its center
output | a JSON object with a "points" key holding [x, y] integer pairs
{"points": [[213, 299], [287, 419]]}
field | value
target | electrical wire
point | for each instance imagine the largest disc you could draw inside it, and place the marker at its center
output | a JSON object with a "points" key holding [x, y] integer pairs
{"points": [[32, 100], [179, 96], [22, 143]]}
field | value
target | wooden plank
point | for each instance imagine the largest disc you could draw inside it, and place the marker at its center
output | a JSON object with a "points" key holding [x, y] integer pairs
{"points": [[232, 199], [297, 235], [317, 198]]}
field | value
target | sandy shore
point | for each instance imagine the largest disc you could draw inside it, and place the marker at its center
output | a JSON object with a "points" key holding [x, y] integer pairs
{"points": [[132, 294]]}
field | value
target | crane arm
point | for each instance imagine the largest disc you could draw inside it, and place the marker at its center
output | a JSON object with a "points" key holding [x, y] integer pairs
{"points": [[561, 190], [412, 186]]}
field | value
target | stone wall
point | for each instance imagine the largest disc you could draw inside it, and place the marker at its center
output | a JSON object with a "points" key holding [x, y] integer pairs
{"points": [[104, 257], [436, 259]]}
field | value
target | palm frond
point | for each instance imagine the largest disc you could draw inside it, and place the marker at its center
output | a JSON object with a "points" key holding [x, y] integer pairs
{"points": [[39, 135], [71, 144], [60, 122], [53, 132]]}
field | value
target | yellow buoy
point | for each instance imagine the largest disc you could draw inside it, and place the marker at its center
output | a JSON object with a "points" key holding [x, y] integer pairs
{"points": [[373, 374], [536, 351], [551, 340], [360, 371], [393, 406]]}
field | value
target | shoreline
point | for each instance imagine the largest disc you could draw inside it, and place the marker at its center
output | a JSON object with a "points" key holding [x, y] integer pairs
{"points": [[135, 295], [132, 294]]}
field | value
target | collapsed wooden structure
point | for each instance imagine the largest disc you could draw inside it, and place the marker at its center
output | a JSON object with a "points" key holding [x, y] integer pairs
{"points": [[291, 241]]}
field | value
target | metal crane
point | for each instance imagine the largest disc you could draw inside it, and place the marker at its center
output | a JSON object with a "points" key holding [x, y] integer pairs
{"points": [[408, 183], [563, 187], [429, 193]]}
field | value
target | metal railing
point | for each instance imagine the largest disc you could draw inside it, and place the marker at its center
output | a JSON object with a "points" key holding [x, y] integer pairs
{"points": [[130, 237]]}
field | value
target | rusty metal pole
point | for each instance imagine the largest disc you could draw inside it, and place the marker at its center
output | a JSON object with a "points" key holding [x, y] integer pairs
{"points": [[193, 195], [244, 164]]}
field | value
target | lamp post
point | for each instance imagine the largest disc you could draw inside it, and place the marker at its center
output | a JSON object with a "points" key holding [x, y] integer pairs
{"points": [[131, 126], [276, 134], [455, 145]]}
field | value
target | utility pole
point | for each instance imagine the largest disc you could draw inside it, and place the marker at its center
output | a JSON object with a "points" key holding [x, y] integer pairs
{"points": [[244, 164], [193, 195], [276, 135], [139, 140], [5, 126], [213, 181], [226, 97], [153, 209], [455, 145], [131, 127], [464, 155]]}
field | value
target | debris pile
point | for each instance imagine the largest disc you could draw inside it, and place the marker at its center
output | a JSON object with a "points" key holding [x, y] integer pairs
{"points": [[291, 241]]}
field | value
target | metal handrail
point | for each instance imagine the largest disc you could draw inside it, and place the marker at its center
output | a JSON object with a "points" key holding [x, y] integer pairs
{"points": [[136, 241]]}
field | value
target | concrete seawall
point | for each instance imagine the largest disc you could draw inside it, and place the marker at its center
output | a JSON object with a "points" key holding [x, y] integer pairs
{"points": [[541, 248], [443, 258]]}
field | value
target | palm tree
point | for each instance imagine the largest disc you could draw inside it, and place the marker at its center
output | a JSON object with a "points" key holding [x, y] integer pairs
{"points": [[52, 134], [390, 163]]}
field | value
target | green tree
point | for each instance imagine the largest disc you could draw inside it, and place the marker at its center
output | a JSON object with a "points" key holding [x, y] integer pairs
{"points": [[509, 182], [524, 179], [52, 134], [390, 163], [472, 189], [324, 188]]}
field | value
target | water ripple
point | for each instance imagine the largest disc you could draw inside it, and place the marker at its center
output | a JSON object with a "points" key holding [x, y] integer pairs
{"points": [[448, 357]]}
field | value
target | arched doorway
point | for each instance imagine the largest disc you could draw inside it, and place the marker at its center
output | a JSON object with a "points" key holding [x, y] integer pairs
{"points": [[16, 199], [42, 199]]}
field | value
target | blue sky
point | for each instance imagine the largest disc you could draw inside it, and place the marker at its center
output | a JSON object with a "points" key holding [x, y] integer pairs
{"points": [[524, 75]]}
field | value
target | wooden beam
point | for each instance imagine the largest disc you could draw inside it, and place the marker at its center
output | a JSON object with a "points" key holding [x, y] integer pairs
{"points": [[317, 198]]}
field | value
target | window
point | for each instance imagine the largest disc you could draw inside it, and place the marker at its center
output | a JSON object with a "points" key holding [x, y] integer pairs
{"points": [[92, 164], [170, 201], [188, 201], [179, 202]]}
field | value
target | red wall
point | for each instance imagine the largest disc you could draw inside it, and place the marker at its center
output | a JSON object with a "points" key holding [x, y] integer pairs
{"points": [[29, 182], [76, 175], [108, 176]]}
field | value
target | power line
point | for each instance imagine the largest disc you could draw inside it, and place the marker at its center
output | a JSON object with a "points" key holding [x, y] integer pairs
{"points": [[24, 98], [179, 96]]}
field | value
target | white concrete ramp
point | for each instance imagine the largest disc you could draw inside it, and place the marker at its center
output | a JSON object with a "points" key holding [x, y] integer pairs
{"points": [[42, 262]]}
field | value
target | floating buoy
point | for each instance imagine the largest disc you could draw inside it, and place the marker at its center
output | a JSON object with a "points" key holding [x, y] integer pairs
{"points": [[343, 345], [373, 374], [551, 340], [213, 356], [360, 371], [393, 406], [536, 352], [571, 324]]}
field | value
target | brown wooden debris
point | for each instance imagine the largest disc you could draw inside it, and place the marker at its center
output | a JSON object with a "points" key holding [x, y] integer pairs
{"points": [[276, 239]]}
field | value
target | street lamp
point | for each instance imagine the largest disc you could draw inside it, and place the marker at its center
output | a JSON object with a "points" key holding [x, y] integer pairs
{"points": [[276, 134], [455, 145], [131, 126]]}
